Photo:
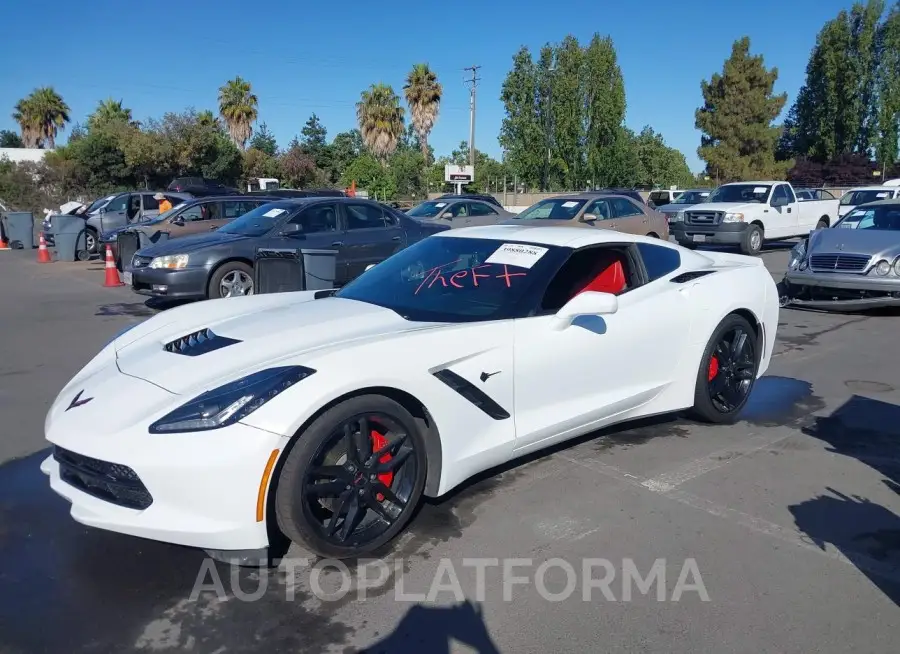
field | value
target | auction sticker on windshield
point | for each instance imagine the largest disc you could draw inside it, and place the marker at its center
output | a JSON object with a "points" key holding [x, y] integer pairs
{"points": [[517, 254], [760, 189], [274, 213], [570, 204]]}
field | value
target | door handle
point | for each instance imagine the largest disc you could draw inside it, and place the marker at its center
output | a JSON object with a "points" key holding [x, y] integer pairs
{"points": [[789, 209], [337, 244], [395, 238]]}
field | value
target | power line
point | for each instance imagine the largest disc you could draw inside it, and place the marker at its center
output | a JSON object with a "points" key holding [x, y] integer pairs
{"points": [[474, 85]]}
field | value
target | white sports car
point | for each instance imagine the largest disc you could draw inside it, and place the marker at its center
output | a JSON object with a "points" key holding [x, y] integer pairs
{"points": [[326, 415]]}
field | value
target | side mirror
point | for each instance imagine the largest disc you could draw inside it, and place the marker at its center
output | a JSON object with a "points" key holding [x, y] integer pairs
{"points": [[293, 230], [369, 267], [589, 303], [589, 218], [178, 221]]}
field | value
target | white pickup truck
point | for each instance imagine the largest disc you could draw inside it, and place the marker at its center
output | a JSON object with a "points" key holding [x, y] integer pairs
{"points": [[747, 214]]}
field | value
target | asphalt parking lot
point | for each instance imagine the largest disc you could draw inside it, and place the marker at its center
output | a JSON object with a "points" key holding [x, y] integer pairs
{"points": [[791, 518]]}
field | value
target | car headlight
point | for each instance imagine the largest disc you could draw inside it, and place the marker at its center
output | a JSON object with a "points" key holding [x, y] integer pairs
{"points": [[798, 255], [170, 262], [733, 218], [882, 268], [227, 404], [897, 266], [676, 217]]}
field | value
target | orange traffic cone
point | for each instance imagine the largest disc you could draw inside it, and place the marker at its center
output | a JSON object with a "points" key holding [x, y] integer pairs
{"points": [[43, 252], [112, 274], [4, 245]]}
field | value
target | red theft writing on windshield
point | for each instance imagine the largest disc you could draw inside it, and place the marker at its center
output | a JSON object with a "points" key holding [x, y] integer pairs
{"points": [[471, 277]]}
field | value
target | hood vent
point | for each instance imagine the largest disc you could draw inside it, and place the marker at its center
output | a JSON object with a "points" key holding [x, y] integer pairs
{"points": [[197, 343], [683, 278]]}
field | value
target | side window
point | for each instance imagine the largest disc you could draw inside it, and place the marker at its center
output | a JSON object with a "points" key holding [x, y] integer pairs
{"points": [[659, 260], [622, 208], [364, 216], [318, 218], [118, 204], [233, 209], [780, 192], [789, 193], [480, 209], [174, 200], [458, 210], [150, 203], [599, 208], [391, 219], [196, 212], [603, 269]]}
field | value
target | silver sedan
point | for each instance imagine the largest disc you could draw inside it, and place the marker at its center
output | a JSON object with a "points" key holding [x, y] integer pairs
{"points": [[459, 213]]}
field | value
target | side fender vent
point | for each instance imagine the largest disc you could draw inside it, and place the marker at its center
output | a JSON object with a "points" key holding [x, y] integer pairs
{"points": [[197, 343], [474, 395], [684, 278]]}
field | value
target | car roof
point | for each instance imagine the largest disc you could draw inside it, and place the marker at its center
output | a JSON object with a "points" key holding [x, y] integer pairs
{"points": [[589, 195], [873, 188], [882, 203], [558, 235], [230, 198]]}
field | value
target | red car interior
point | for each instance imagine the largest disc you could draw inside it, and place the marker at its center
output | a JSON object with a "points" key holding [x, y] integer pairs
{"points": [[608, 275]]}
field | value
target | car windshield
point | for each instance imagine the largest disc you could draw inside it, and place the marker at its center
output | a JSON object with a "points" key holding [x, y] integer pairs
{"points": [[426, 209], [449, 279], [740, 193], [96, 204], [259, 221], [692, 197], [883, 218], [553, 209], [853, 198]]}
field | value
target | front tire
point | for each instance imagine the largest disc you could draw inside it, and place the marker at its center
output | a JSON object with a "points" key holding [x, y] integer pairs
{"points": [[753, 240], [92, 241], [230, 280], [353, 478], [727, 371]]}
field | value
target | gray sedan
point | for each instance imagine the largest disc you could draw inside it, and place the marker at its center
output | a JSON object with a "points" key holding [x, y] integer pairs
{"points": [[459, 213], [220, 263], [852, 266]]}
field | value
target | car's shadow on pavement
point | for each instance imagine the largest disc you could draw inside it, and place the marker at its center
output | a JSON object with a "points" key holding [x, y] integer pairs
{"points": [[865, 532]]}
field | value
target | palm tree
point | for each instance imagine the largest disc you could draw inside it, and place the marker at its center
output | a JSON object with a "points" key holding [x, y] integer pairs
{"points": [[238, 108], [380, 120], [110, 111], [206, 118], [41, 116], [423, 95]]}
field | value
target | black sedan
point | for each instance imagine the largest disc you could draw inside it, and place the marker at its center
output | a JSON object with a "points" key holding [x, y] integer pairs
{"points": [[220, 264]]}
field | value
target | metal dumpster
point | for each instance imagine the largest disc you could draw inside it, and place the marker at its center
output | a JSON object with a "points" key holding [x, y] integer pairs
{"points": [[69, 240], [282, 270], [18, 226]]}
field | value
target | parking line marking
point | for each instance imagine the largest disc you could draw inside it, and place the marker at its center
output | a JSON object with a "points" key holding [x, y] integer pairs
{"points": [[672, 480]]}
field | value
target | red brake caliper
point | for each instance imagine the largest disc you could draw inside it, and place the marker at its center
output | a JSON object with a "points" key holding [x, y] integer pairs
{"points": [[386, 478], [713, 369]]}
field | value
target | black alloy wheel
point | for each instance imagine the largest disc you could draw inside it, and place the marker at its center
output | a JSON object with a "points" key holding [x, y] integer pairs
{"points": [[727, 372], [352, 481]]}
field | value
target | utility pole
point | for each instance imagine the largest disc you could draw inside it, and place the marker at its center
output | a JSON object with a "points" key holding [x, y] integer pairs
{"points": [[474, 83]]}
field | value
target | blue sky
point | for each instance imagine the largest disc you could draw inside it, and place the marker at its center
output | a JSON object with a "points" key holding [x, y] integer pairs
{"points": [[305, 57]]}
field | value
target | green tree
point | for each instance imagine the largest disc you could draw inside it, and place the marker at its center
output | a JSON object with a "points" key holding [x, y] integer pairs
{"points": [[380, 119], [408, 170], [739, 140], [148, 154], [488, 171], [199, 147], [370, 174], [608, 148], [9, 139], [314, 139], [344, 148], [298, 167], [264, 141], [567, 111], [658, 164], [835, 112], [521, 134], [238, 107], [109, 112], [423, 95], [41, 116], [888, 106]]}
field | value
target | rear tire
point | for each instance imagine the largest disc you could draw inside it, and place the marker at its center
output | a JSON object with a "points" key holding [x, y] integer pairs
{"points": [[753, 240], [727, 371], [305, 516]]}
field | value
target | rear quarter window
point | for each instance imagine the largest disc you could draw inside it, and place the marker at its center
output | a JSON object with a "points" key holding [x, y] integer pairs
{"points": [[659, 260]]}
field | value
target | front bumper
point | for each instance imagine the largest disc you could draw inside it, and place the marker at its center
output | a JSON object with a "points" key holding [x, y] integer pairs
{"points": [[199, 489], [184, 284], [840, 291], [721, 234]]}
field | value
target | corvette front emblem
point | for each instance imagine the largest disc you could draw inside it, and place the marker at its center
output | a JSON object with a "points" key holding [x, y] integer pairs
{"points": [[77, 401]]}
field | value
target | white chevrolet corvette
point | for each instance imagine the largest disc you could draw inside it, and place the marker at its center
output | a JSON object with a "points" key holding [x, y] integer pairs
{"points": [[326, 415]]}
